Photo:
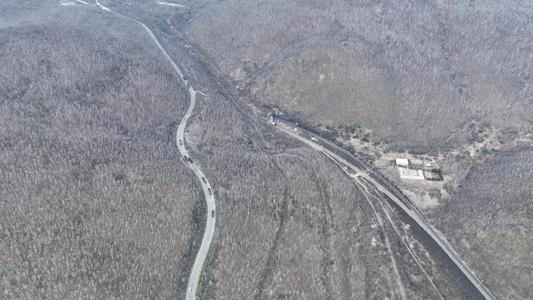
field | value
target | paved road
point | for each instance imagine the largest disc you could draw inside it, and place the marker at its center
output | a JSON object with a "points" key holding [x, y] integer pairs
{"points": [[210, 199], [180, 142], [384, 186]]}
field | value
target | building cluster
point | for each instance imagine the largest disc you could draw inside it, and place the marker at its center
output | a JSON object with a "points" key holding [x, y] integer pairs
{"points": [[406, 173]]}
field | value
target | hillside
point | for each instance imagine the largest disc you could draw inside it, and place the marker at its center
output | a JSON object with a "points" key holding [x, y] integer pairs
{"points": [[96, 203], [446, 81], [413, 72], [489, 219]]}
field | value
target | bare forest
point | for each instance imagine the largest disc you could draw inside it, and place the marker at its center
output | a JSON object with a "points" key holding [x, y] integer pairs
{"points": [[491, 216], [413, 72], [448, 81], [95, 201]]}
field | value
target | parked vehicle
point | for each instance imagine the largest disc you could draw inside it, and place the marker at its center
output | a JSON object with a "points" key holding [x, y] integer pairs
{"points": [[209, 190], [181, 143], [213, 213], [203, 178]]}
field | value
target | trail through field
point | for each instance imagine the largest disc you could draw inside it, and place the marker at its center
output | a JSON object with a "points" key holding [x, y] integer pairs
{"points": [[397, 276], [367, 192]]}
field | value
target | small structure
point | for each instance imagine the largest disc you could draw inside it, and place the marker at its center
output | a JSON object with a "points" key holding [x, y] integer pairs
{"points": [[277, 113], [271, 119], [411, 174], [402, 162]]}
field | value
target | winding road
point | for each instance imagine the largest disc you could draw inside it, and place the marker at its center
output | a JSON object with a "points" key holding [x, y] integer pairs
{"points": [[180, 142], [377, 180]]}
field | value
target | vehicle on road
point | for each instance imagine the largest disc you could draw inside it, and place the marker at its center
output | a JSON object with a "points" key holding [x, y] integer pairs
{"points": [[209, 190], [206, 242], [213, 213], [203, 178]]}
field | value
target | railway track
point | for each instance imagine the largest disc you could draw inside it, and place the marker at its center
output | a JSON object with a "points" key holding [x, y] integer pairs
{"points": [[334, 151]]}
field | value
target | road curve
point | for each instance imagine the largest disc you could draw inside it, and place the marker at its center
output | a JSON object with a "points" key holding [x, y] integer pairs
{"points": [[392, 192], [180, 142]]}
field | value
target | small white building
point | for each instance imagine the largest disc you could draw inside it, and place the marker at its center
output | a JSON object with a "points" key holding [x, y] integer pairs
{"points": [[411, 174], [402, 162]]}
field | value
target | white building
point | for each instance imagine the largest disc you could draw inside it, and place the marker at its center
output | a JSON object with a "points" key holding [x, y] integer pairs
{"points": [[402, 162], [411, 174]]}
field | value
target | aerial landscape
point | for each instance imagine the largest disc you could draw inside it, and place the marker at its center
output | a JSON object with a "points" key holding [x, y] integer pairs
{"points": [[301, 149]]}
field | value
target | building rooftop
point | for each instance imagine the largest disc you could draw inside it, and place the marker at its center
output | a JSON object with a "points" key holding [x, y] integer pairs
{"points": [[402, 162], [411, 174]]}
